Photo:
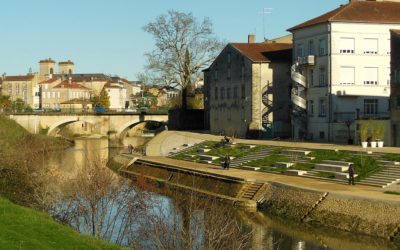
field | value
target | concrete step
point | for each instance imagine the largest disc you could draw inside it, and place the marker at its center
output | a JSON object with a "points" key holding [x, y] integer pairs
{"points": [[331, 168], [250, 168], [337, 163], [385, 162], [283, 164], [307, 158], [295, 172], [208, 157], [296, 152], [343, 176]]}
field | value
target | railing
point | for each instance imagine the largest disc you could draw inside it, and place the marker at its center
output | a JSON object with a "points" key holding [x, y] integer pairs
{"points": [[351, 116], [87, 112], [298, 97]]}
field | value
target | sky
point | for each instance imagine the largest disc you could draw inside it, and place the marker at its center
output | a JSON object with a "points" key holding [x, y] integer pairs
{"points": [[106, 36]]}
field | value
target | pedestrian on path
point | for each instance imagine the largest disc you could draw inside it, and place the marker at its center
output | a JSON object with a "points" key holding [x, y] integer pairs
{"points": [[351, 175], [227, 161], [130, 148]]}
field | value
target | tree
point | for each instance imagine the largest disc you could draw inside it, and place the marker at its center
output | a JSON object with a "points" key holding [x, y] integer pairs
{"points": [[183, 47], [103, 100], [5, 103]]}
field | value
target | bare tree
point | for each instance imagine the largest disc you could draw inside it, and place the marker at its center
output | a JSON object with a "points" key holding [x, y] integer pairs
{"points": [[183, 47]]}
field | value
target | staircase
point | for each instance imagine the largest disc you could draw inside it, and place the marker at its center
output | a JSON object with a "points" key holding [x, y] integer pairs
{"points": [[268, 109], [252, 156], [249, 190], [388, 176], [298, 97]]}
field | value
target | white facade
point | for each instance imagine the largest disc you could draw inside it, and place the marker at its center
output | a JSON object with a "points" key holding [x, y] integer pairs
{"points": [[350, 78], [117, 97]]}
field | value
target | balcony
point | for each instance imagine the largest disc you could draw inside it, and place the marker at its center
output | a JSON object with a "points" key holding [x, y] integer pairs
{"points": [[351, 116], [307, 60]]}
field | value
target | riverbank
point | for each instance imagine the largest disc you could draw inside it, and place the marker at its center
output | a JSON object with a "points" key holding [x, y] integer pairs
{"points": [[356, 209], [23, 228]]}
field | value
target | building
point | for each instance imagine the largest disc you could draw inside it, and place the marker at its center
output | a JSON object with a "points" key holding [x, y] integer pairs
{"points": [[117, 94], [247, 90], [395, 87], [56, 91], [341, 69], [25, 88]]}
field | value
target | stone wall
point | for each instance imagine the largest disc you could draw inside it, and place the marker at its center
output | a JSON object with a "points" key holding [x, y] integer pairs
{"points": [[347, 213]]}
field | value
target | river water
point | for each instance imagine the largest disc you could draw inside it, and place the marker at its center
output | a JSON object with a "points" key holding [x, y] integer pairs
{"points": [[267, 232]]}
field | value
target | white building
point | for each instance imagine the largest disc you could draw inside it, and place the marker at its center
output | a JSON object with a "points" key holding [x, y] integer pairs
{"points": [[117, 94], [343, 69]]}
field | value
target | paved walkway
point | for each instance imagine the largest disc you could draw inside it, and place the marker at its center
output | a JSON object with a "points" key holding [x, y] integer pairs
{"points": [[157, 146], [357, 191]]}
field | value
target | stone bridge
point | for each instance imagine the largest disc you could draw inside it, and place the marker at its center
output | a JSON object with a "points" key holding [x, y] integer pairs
{"points": [[115, 124]]}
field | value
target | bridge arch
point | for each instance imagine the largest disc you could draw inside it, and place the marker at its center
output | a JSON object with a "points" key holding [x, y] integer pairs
{"points": [[53, 128], [121, 132]]}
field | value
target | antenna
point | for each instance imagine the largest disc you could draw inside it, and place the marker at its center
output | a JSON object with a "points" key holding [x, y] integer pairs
{"points": [[265, 11]]}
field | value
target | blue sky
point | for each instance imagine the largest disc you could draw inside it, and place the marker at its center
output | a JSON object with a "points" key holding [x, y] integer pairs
{"points": [[106, 35]]}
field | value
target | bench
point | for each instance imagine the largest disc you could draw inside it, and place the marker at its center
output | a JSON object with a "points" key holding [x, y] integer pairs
{"points": [[295, 172], [208, 157], [250, 168], [331, 168], [283, 164], [338, 163], [296, 152]]}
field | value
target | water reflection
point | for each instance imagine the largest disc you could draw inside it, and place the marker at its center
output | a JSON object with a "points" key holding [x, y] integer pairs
{"points": [[267, 232]]}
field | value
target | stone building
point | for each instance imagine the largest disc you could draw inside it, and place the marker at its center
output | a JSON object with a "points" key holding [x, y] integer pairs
{"points": [[247, 90], [395, 87], [23, 87], [341, 69]]}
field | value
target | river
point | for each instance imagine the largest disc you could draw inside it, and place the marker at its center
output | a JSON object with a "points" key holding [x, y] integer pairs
{"points": [[267, 232]]}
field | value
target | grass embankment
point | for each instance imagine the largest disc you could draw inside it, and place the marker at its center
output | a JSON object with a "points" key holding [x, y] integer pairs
{"points": [[23, 228]]}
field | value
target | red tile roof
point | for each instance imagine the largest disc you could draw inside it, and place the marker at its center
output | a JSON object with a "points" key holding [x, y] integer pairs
{"points": [[73, 85], [110, 85], [51, 80], [258, 52], [360, 12], [19, 78]]}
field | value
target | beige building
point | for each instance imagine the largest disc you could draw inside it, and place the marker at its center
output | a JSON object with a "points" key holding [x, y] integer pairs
{"points": [[247, 90], [23, 87], [56, 91]]}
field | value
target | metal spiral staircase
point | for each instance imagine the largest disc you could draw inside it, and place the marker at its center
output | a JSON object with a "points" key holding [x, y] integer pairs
{"points": [[267, 101], [299, 110]]}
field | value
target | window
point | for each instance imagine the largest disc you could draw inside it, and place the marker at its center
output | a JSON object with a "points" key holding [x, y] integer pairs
{"points": [[311, 77], [322, 77], [222, 93], [322, 47], [311, 107], [216, 93], [370, 46], [243, 91], [216, 74], [229, 57], [17, 89], [311, 49], [347, 75], [243, 72], [322, 111], [370, 106], [370, 76], [58, 95], [300, 49], [321, 135], [229, 73], [53, 94], [346, 45], [228, 93], [235, 92], [9, 89]]}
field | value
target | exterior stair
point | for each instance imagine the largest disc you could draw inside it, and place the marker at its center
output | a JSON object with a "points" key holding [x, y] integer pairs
{"points": [[252, 156], [388, 176], [249, 190]]}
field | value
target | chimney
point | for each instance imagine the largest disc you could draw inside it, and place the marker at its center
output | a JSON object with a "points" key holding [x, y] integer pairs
{"points": [[251, 38]]}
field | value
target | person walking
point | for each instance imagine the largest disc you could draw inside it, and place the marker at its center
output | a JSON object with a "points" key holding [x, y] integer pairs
{"points": [[130, 148], [227, 161], [351, 175]]}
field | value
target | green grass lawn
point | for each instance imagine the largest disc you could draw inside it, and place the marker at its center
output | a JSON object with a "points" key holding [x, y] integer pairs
{"points": [[392, 157], [24, 228], [269, 160]]}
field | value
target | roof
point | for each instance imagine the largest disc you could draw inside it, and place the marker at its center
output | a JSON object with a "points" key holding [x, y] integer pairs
{"points": [[358, 11], [48, 60], [70, 85], [397, 32], [110, 85], [19, 78], [67, 62], [50, 80], [258, 52]]}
